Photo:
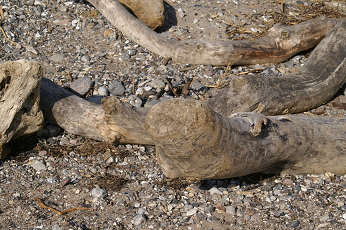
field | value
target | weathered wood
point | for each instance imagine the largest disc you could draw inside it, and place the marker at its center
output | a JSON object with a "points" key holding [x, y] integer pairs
{"points": [[150, 12], [114, 122], [279, 44], [193, 141], [319, 80], [19, 101]]}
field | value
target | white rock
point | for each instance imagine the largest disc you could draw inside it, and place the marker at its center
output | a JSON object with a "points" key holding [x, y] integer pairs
{"points": [[344, 216], [98, 193], [38, 166], [191, 212], [214, 190], [138, 219]]}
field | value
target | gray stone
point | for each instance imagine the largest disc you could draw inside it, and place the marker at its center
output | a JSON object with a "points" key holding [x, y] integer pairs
{"points": [[138, 219], [98, 192], [214, 190], [231, 210], [82, 85], [56, 58], [102, 91], [135, 101], [38, 166], [116, 88], [325, 217], [85, 58], [294, 223], [124, 57], [151, 103], [157, 84], [56, 227]]}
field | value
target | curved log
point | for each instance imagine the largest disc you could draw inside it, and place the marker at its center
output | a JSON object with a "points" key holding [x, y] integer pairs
{"points": [[319, 80], [279, 44], [193, 141], [114, 121]]}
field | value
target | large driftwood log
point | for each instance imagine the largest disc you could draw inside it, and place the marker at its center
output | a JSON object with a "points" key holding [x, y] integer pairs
{"points": [[193, 141], [114, 122], [319, 80], [279, 44], [20, 114]]}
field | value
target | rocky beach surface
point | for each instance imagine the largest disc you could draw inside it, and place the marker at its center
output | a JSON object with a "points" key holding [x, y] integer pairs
{"points": [[56, 180]]}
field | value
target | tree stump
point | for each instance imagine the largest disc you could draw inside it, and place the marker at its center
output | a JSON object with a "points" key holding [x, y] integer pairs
{"points": [[19, 101]]}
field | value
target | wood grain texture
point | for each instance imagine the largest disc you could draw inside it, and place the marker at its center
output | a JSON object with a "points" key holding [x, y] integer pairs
{"points": [[19, 101], [279, 44]]}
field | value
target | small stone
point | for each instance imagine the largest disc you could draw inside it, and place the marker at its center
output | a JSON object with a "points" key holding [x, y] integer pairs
{"points": [[82, 85], [42, 153], [56, 58], [209, 209], [191, 212], [85, 58], [138, 219], [231, 210], [344, 216], [325, 217], [31, 49], [124, 57], [294, 223], [38, 166], [287, 182], [102, 91], [98, 193], [56, 227], [116, 88], [195, 21], [135, 101], [214, 190], [181, 13]]}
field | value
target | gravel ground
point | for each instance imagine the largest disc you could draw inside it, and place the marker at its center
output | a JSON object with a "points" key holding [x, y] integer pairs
{"points": [[102, 186]]}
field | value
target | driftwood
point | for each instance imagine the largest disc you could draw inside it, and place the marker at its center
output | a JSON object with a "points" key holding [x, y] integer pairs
{"points": [[279, 44], [150, 12], [194, 141], [319, 80], [114, 122], [19, 101]]}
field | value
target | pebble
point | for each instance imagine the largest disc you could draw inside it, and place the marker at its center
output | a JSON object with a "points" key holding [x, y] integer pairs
{"points": [[56, 58], [116, 88], [103, 91], [39, 166], [215, 191], [139, 219], [231, 210], [98, 193], [82, 85], [294, 223], [85, 58]]}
